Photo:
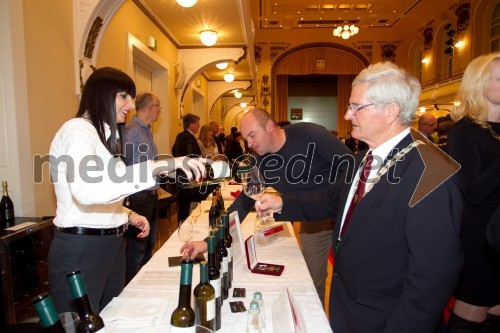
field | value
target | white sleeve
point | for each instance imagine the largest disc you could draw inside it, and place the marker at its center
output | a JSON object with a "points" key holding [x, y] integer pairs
{"points": [[93, 174]]}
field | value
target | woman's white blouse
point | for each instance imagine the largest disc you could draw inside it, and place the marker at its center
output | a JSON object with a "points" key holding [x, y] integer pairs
{"points": [[90, 183]]}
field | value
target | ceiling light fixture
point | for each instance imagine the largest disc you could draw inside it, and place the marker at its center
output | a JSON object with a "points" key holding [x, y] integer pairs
{"points": [[345, 31], [186, 3], [238, 94], [208, 37], [229, 77], [222, 65]]}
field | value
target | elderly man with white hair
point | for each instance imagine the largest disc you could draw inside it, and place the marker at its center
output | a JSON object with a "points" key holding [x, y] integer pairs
{"points": [[397, 249]]}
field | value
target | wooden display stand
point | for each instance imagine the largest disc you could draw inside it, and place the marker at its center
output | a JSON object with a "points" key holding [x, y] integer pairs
{"points": [[24, 267]]}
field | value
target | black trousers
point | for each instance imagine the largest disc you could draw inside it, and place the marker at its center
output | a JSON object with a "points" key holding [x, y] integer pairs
{"points": [[139, 250], [101, 260]]}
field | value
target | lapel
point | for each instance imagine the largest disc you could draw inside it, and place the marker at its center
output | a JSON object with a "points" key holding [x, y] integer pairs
{"points": [[366, 204]]}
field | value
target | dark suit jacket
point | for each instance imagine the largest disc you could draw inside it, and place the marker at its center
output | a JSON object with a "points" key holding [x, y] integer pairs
{"points": [[400, 256], [185, 144]]}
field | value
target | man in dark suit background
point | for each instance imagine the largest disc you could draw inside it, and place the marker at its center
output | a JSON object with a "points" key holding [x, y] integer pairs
{"points": [[397, 249], [185, 144]]}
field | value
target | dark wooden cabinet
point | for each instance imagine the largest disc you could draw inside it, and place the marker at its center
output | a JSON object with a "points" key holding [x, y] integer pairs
{"points": [[24, 268]]}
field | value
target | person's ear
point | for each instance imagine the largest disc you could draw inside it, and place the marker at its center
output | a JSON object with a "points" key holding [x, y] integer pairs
{"points": [[393, 111], [270, 125]]}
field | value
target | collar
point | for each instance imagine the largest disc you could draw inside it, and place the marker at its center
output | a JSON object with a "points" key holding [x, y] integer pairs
{"points": [[190, 132], [140, 122], [107, 132], [385, 148]]}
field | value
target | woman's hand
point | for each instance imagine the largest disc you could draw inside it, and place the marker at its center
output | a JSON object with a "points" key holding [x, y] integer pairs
{"points": [[268, 204], [193, 248], [139, 222], [194, 168]]}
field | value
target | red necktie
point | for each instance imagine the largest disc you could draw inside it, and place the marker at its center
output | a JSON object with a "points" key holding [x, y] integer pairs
{"points": [[360, 190]]}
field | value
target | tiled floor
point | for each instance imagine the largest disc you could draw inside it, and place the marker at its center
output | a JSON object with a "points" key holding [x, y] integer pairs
{"points": [[168, 226]]}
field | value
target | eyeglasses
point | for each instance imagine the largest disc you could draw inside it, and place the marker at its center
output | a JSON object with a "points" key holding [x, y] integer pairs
{"points": [[355, 108], [158, 106]]}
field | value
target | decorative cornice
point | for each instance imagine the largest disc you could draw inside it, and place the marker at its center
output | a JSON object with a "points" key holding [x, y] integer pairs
{"points": [[92, 37]]}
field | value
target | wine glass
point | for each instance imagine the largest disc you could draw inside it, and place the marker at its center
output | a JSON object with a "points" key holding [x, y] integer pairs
{"points": [[185, 231], [254, 187], [195, 209]]}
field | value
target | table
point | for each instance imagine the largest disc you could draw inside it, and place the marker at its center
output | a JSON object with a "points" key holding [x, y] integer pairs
{"points": [[157, 281]]}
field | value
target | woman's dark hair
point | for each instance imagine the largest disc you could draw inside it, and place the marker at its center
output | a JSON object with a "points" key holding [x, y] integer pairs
{"points": [[98, 102]]}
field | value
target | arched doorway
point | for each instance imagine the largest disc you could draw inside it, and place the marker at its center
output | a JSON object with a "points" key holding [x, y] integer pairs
{"points": [[316, 59]]}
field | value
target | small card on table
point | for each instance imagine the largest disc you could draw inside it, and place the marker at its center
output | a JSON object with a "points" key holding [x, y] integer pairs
{"points": [[237, 306], [239, 292], [260, 267]]}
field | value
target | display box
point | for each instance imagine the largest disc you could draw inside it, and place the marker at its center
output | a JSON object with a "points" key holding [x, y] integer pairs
{"points": [[260, 267]]}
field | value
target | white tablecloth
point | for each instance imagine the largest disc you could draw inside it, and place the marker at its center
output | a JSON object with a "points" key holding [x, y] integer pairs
{"points": [[157, 280]]}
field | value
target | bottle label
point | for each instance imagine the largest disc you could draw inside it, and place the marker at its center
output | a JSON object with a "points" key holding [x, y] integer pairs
{"points": [[217, 286], [211, 309], [191, 329], [224, 265], [230, 253], [9, 214]]}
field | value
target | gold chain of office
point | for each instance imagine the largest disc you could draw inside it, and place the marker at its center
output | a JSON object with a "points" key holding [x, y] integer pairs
{"points": [[488, 127]]}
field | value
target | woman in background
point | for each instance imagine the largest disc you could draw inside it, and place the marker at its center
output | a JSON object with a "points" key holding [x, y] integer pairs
{"points": [[206, 142], [474, 142], [91, 181]]}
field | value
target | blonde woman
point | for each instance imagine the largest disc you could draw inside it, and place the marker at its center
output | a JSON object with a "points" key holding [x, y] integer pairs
{"points": [[207, 143], [475, 143]]}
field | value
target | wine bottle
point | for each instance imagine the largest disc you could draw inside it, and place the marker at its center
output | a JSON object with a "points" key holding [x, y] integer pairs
{"points": [[183, 317], [90, 322], [204, 299], [220, 201], [218, 259], [213, 214], [223, 253], [229, 247], [6, 205], [45, 309], [215, 280]]}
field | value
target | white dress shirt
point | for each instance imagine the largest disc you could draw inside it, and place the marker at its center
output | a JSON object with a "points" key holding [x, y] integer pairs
{"points": [[90, 183]]}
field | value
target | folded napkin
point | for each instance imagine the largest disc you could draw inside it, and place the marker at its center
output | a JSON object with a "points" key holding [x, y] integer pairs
{"points": [[150, 310], [235, 193]]}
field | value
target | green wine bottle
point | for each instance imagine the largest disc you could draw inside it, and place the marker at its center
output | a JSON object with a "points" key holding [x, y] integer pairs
{"points": [[220, 201], [48, 315], [90, 322], [229, 247], [215, 280], [204, 299], [214, 213], [218, 259], [225, 269], [183, 317]]}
